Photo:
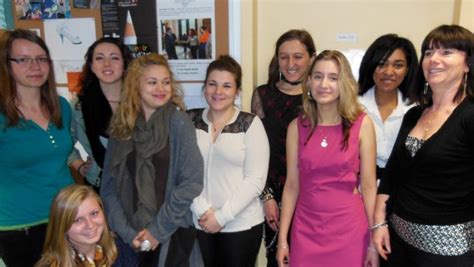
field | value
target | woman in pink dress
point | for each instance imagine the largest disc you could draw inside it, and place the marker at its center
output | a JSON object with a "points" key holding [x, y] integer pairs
{"points": [[330, 190]]}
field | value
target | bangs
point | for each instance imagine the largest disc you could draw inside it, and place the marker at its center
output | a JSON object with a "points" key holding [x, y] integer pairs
{"points": [[448, 38]]}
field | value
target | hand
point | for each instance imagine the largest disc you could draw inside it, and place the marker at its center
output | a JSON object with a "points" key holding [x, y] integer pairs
{"points": [[272, 214], [85, 167], [372, 257], [142, 236], [283, 255], [209, 223], [381, 240]]}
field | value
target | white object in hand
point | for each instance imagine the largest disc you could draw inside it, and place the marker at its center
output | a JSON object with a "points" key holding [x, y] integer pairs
{"points": [[145, 245]]}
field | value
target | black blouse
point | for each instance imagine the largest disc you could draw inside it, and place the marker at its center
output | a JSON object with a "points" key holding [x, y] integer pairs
{"points": [[276, 110], [436, 186]]}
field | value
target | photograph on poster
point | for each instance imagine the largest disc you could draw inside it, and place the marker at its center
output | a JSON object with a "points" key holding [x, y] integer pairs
{"points": [[91, 4], [186, 38], [186, 31], [68, 39], [42, 9], [62, 67]]}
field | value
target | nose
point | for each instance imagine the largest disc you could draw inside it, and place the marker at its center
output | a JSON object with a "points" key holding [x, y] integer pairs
{"points": [[88, 223], [34, 64], [325, 82], [291, 61], [388, 69], [219, 89], [107, 61]]}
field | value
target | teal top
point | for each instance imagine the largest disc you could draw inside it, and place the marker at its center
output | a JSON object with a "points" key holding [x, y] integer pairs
{"points": [[33, 169]]}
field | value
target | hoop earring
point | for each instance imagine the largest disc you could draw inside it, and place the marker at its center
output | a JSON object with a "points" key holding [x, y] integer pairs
{"points": [[425, 90], [465, 83]]}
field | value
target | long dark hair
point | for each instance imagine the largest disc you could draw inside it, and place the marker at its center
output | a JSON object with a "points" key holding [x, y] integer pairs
{"points": [[301, 35], [378, 52], [8, 90], [446, 36]]}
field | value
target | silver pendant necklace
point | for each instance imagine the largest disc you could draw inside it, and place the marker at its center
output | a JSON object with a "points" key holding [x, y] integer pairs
{"points": [[324, 141]]}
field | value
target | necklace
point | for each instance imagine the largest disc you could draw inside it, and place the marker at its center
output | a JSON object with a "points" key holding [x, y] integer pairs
{"points": [[324, 140]]}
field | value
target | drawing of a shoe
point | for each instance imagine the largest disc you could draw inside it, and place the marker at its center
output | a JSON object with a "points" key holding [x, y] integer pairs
{"points": [[63, 32]]}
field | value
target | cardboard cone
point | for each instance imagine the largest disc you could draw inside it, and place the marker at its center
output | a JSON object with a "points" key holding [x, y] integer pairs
{"points": [[129, 36]]}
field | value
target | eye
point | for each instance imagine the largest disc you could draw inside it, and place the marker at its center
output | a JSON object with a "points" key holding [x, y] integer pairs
{"points": [[43, 60], [334, 78], [95, 213], [78, 220], [428, 53], [211, 84], [317, 76], [117, 58], [166, 82], [447, 52], [98, 58], [24, 60], [399, 65]]}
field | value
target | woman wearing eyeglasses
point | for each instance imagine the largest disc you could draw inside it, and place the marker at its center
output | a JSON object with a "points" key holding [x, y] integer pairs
{"points": [[35, 142]]}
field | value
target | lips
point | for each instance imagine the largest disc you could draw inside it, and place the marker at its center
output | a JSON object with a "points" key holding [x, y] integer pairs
{"points": [[434, 70]]}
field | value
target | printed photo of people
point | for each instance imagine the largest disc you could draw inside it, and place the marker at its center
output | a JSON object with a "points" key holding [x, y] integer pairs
{"points": [[186, 38]]}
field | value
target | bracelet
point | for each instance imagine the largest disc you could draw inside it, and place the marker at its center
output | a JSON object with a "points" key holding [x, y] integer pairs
{"points": [[284, 246], [372, 249], [80, 166], [378, 225], [267, 197], [265, 192]]}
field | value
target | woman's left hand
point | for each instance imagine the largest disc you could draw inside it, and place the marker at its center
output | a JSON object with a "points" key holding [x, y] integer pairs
{"points": [[372, 257], [209, 223]]}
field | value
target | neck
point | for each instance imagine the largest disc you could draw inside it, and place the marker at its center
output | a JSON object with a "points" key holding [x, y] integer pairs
{"points": [[386, 98], [86, 250], [289, 89], [28, 97], [220, 117], [328, 115], [444, 98], [112, 91]]}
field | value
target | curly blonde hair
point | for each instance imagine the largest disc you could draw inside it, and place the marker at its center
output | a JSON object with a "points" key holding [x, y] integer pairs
{"points": [[348, 106], [123, 121]]}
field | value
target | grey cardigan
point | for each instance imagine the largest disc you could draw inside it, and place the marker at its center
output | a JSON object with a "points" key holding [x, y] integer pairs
{"points": [[184, 183]]}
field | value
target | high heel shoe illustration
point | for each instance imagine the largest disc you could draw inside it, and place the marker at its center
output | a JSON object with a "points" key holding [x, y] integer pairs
{"points": [[63, 32]]}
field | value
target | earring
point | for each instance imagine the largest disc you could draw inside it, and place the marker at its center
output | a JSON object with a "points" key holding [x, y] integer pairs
{"points": [[425, 90], [465, 83], [279, 75], [309, 95]]}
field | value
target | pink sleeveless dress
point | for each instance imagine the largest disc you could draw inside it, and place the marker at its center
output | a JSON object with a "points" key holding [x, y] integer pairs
{"points": [[330, 224]]}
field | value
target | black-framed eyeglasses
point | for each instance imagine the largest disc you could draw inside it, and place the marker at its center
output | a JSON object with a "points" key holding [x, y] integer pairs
{"points": [[28, 61]]}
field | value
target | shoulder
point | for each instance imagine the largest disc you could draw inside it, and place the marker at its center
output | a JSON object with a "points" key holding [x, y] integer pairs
{"points": [[243, 122], [195, 114], [64, 106]]}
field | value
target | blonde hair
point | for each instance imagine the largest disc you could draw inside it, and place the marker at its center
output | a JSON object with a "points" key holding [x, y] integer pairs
{"points": [[57, 250], [123, 121], [348, 106]]}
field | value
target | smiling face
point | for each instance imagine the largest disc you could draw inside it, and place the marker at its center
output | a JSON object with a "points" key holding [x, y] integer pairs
{"points": [[28, 75], [155, 88], [293, 60], [324, 82], [388, 75], [444, 67], [107, 63], [220, 90], [87, 228]]}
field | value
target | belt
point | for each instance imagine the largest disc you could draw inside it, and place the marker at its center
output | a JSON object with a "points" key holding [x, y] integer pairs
{"points": [[446, 240]]}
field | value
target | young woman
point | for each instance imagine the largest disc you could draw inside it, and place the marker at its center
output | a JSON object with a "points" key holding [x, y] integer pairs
{"points": [[78, 235], [101, 80], [228, 213], [153, 168], [386, 74], [277, 103], [428, 179], [331, 154], [35, 141]]}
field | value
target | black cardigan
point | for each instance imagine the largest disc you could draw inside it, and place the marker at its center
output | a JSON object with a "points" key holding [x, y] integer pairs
{"points": [[437, 185]]}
